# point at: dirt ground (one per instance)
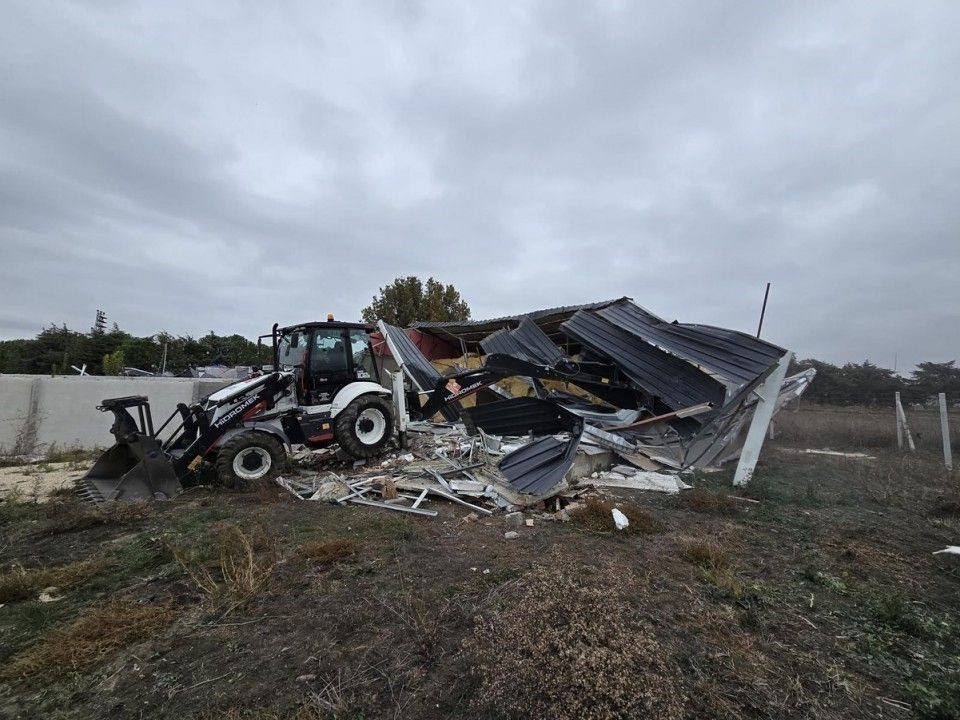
(38, 482)
(822, 598)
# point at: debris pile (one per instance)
(539, 407)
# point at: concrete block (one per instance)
(514, 519)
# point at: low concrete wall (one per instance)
(38, 412)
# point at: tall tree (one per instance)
(408, 299)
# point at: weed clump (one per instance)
(707, 501)
(89, 639)
(23, 583)
(329, 551)
(74, 516)
(705, 554)
(895, 611)
(596, 515)
(245, 564)
(595, 658)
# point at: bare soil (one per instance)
(822, 599)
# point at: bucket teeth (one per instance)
(88, 493)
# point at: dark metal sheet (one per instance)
(519, 416)
(538, 467)
(527, 341)
(415, 365)
(503, 342)
(675, 382)
(472, 331)
(537, 344)
(733, 355)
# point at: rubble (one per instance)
(612, 397)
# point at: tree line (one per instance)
(868, 384)
(55, 350)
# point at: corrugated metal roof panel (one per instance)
(473, 330)
(675, 382)
(538, 467)
(733, 355)
(518, 416)
(415, 365)
(526, 341)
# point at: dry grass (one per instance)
(71, 515)
(89, 639)
(948, 506)
(245, 564)
(303, 713)
(594, 656)
(707, 501)
(716, 569)
(705, 554)
(854, 427)
(596, 515)
(22, 583)
(329, 551)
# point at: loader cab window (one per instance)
(362, 357)
(292, 348)
(329, 355)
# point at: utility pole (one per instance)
(163, 364)
(763, 310)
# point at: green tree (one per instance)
(408, 299)
(113, 363)
(931, 378)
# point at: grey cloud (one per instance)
(190, 168)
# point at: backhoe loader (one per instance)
(324, 388)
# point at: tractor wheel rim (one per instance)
(370, 427)
(252, 463)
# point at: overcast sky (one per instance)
(197, 166)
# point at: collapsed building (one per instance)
(660, 395)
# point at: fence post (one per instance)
(906, 428)
(945, 431)
(896, 414)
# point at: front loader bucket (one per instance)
(135, 468)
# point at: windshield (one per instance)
(291, 349)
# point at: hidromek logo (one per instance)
(252, 400)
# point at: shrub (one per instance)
(570, 646)
(596, 515)
(89, 639)
(21, 584)
(707, 501)
(329, 551)
(246, 563)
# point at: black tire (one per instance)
(237, 461)
(349, 426)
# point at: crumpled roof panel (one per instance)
(539, 466)
(731, 354)
(676, 382)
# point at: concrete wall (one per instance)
(39, 412)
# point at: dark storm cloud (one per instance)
(193, 169)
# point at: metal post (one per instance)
(906, 428)
(763, 310)
(400, 407)
(896, 412)
(768, 393)
(945, 431)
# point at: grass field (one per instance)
(860, 428)
(811, 593)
